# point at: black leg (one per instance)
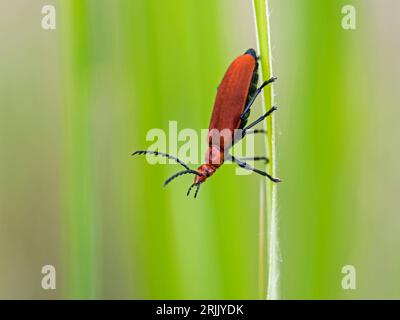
(258, 91)
(256, 131)
(244, 165)
(258, 120)
(265, 159)
(243, 133)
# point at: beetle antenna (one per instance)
(179, 174)
(166, 155)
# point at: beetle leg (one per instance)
(246, 166)
(241, 135)
(256, 131)
(258, 91)
(265, 159)
(259, 120)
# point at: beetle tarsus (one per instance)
(259, 119)
(256, 131)
(265, 159)
(246, 166)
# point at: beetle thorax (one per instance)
(214, 156)
(214, 159)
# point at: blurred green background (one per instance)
(76, 101)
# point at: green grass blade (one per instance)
(261, 14)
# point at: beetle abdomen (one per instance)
(233, 93)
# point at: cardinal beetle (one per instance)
(236, 94)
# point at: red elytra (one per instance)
(236, 94)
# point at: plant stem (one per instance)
(261, 14)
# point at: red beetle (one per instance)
(236, 94)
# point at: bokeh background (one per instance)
(76, 101)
